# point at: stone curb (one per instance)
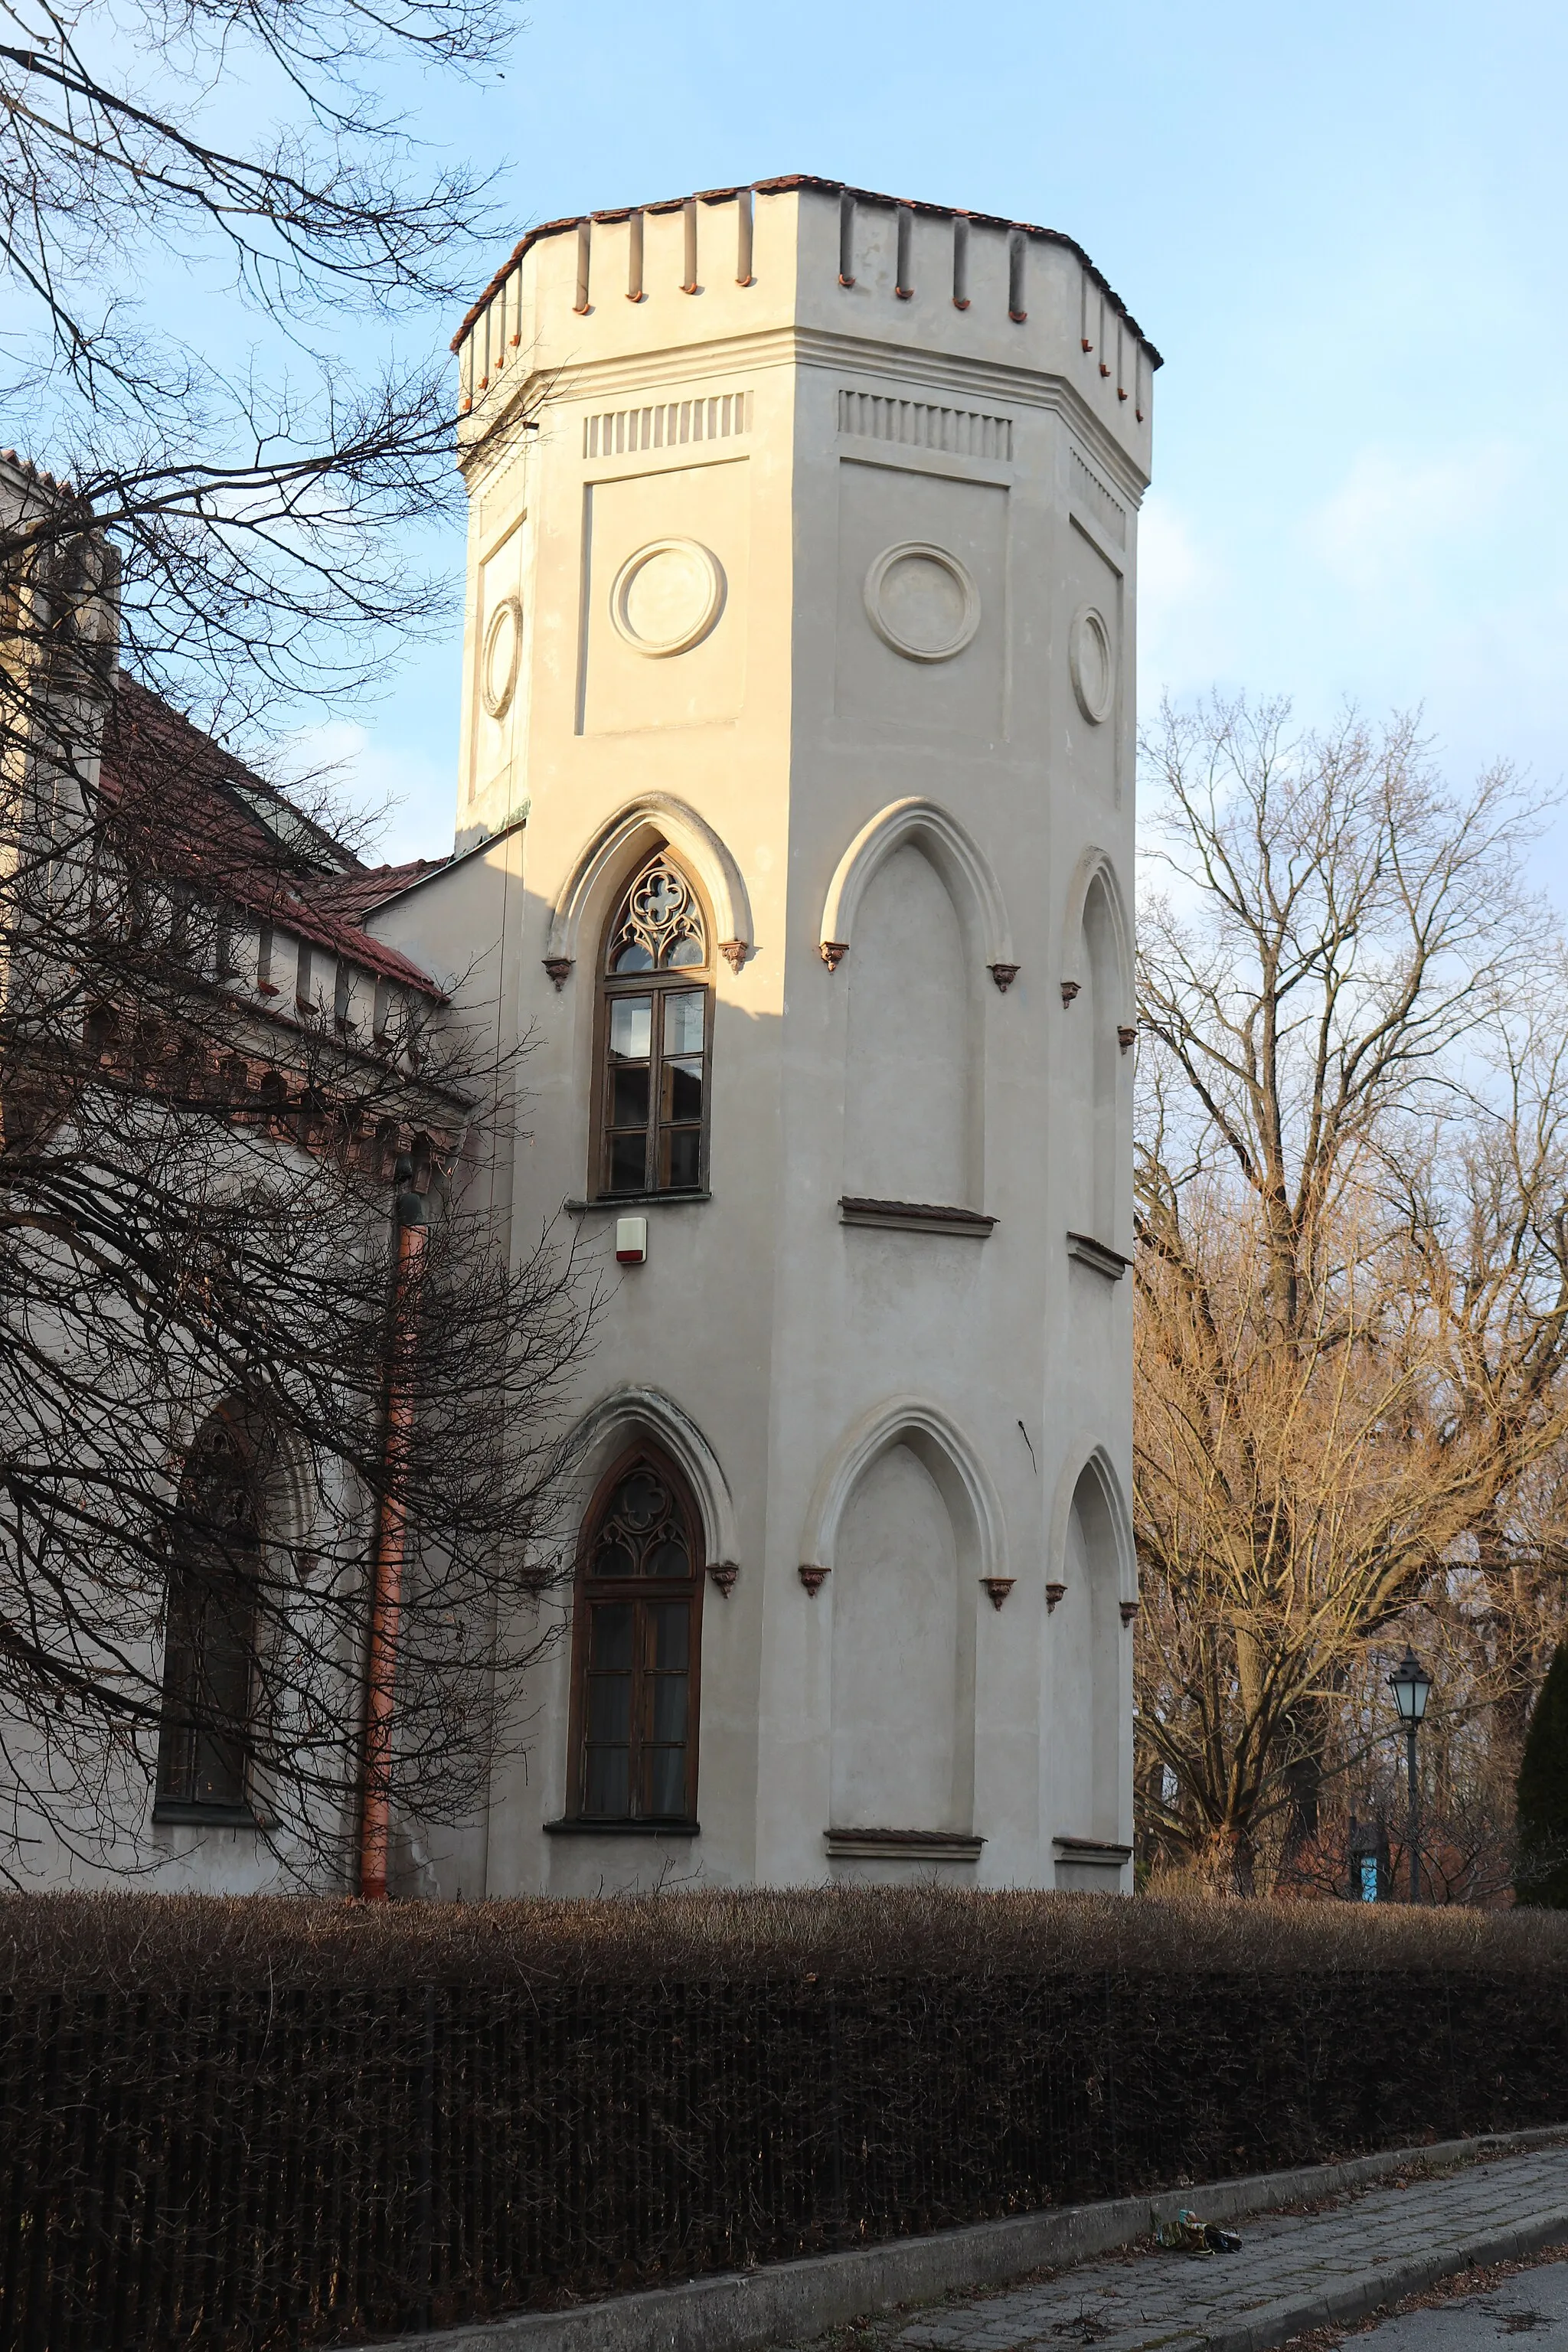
(797, 2300)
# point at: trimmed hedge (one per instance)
(270, 2124)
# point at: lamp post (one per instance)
(1411, 1684)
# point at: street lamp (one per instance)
(1411, 1684)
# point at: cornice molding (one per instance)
(812, 347)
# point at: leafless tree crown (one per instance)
(1353, 1267)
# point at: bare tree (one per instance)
(1350, 1199)
(253, 500)
(200, 1335)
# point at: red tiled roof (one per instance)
(36, 474)
(823, 187)
(354, 895)
(219, 823)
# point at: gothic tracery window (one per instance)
(655, 1019)
(635, 1647)
(209, 1650)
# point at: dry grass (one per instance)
(76, 1940)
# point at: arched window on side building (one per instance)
(635, 1647)
(655, 1023)
(209, 1650)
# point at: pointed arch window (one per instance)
(635, 1647)
(656, 1004)
(209, 1650)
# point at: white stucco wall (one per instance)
(910, 1409)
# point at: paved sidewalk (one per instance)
(1294, 2272)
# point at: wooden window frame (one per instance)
(587, 1590)
(686, 980)
(181, 1731)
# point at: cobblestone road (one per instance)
(1533, 2303)
(1149, 2301)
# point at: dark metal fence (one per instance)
(227, 2165)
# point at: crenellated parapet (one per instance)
(813, 257)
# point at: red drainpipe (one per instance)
(386, 1583)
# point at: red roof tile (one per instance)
(221, 826)
(354, 895)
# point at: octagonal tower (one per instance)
(794, 822)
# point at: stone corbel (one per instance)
(1054, 1592)
(998, 1588)
(560, 968)
(724, 1572)
(734, 952)
(1004, 974)
(814, 1578)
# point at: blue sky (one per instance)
(1342, 226)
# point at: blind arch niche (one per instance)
(904, 1655)
(903, 1490)
(910, 1080)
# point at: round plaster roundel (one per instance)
(922, 601)
(1092, 663)
(668, 596)
(498, 661)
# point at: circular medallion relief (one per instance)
(668, 596)
(922, 601)
(1092, 664)
(498, 661)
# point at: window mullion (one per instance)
(640, 1699)
(655, 1091)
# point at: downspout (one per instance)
(386, 1582)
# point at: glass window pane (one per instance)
(631, 1028)
(609, 1707)
(685, 953)
(612, 1558)
(665, 1770)
(671, 1637)
(670, 1692)
(668, 1558)
(628, 1163)
(219, 1775)
(608, 1778)
(610, 1644)
(628, 1096)
(683, 1021)
(683, 1090)
(219, 1688)
(682, 1158)
(631, 957)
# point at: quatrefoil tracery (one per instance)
(660, 927)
